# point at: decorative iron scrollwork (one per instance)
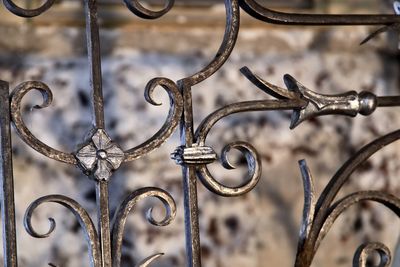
(138, 9)
(129, 205)
(23, 131)
(99, 157)
(253, 176)
(119, 221)
(171, 123)
(320, 214)
(82, 216)
(28, 13)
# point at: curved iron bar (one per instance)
(27, 13)
(322, 214)
(79, 212)
(337, 208)
(127, 206)
(16, 99)
(254, 171)
(259, 12)
(309, 206)
(225, 50)
(172, 121)
(246, 106)
(253, 160)
(139, 10)
(390, 201)
(343, 174)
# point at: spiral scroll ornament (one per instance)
(129, 205)
(171, 123)
(82, 216)
(16, 99)
(138, 9)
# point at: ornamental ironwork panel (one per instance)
(99, 156)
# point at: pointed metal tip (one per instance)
(363, 41)
(305, 171)
(146, 262)
(288, 76)
(291, 83)
(293, 125)
(302, 163)
(248, 74)
(307, 176)
(244, 69)
(295, 119)
(378, 32)
(366, 40)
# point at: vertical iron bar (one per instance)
(6, 181)
(104, 222)
(93, 47)
(191, 217)
(94, 57)
(190, 184)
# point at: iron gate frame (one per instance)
(99, 156)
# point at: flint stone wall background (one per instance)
(258, 229)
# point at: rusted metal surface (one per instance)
(7, 181)
(99, 156)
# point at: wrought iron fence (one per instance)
(99, 157)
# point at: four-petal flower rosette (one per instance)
(101, 156)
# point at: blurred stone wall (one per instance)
(259, 229)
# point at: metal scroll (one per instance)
(99, 156)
